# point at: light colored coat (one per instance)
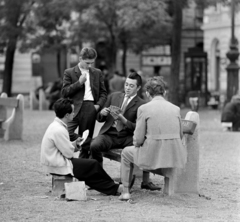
(57, 149)
(158, 136)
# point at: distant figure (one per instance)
(55, 93)
(194, 100)
(231, 113)
(106, 79)
(116, 84)
(141, 92)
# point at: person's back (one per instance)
(228, 112)
(231, 114)
(116, 84)
(158, 117)
(163, 145)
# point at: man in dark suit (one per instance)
(85, 86)
(117, 131)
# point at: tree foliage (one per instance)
(49, 26)
(207, 3)
(129, 25)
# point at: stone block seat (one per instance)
(58, 182)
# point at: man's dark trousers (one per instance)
(85, 119)
(112, 139)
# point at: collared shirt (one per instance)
(60, 121)
(125, 97)
(130, 99)
(88, 91)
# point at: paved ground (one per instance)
(24, 188)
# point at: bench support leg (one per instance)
(168, 186)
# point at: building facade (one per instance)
(217, 35)
(157, 61)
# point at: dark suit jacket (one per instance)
(130, 113)
(74, 90)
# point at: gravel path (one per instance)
(24, 188)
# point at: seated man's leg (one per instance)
(146, 183)
(127, 167)
(94, 176)
(99, 144)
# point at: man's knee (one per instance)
(127, 153)
(95, 146)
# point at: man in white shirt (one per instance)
(85, 86)
(57, 153)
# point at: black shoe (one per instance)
(150, 186)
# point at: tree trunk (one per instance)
(59, 63)
(112, 49)
(176, 52)
(124, 58)
(8, 67)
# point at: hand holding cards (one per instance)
(80, 141)
(115, 111)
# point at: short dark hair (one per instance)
(88, 53)
(155, 86)
(134, 75)
(63, 106)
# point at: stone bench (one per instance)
(178, 180)
(11, 127)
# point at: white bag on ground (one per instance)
(75, 191)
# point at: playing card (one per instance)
(115, 109)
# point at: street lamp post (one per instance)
(232, 55)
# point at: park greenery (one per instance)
(125, 25)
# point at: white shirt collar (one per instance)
(61, 122)
(131, 97)
(82, 70)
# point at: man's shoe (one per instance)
(125, 197)
(149, 186)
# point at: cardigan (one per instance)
(57, 149)
(157, 136)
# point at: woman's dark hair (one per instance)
(134, 75)
(155, 86)
(62, 106)
(88, 53)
